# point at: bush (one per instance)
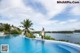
(30, 35)
(6, 32)
(49, 38)
(15, 32)
(64, 40)
(1, 29)
(78, 43)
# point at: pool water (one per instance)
(19, 44)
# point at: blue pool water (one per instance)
(20, 44)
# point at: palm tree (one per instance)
(26, 25)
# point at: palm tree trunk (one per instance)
(26, 32)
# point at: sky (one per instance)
(43, 13)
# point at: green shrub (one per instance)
(15, 32)
(30, 35)
(1, 29)
(49, 38)
(64, 40)
(6, 32)
(78, 43)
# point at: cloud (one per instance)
(39, 12)
(37, 6)
(76, 10)
(52, 7)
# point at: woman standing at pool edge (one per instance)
(43, 33)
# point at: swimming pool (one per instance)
(19, 44)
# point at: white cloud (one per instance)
(52, 7)
(63, 22)
(72, 20)
(76, 10)
(16, 11)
